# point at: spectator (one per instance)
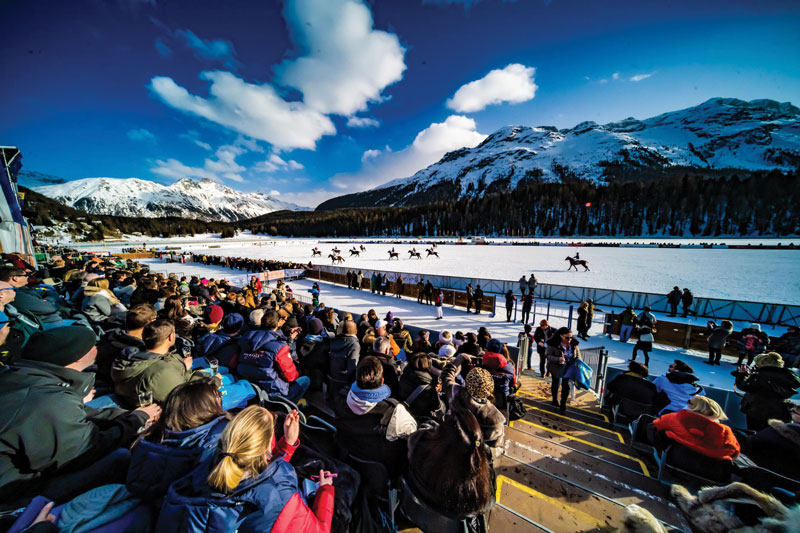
(51, 442)
(523, 285)
(190, 425)
(687, 298)
(99, 303)
(330, 321)
(422, 343)
(717, 339)
(788, 345)
(470, 296)
(540, 337)
(401, 336)
(510, 299)
(267, 360)
(418, 373)
(753, 341)
(674, 299)
(634, 385)
(455, 446)
(645, 344)
(478, 299)
(381, 349)
(438, 302)
(345, 353)
(562, 350)
(770, 447)
(248, 484)
(114, 341)
(627, 320)
(125, 290)
(156, 370)
(314, 353)
(699, 429)
(476, 395)
(767, 390)
(583, 320)
(420, 291)
(483, 337)
(358, 419)
(428, 292)
(679, 384)
(30, 300)
(527, 305)
(175, 311)
(647, 318)
(532, 283)
(496, 361)
(398, 287)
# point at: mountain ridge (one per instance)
(718, 134)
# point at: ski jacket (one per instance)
(700, 434)
(266, 361)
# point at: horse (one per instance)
(393, 255)
(431, 252)
(363, 248)
(315, 253)
(412, 254)
(336, 250)
(354, 252)
(336, 259)
(575, 262)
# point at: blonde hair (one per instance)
(100, 282)
(707, 407)
(242, 448)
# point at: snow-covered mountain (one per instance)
(187, 198)
(720, 134)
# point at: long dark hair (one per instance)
(458, 449)
(189, 405)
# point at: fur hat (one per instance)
(60, 346)
(445, 337)
(479, 383)
(447, 350)
(255, 316)
(769, 359)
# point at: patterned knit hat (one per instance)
(480, 383)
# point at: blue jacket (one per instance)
(221, 346)
(154, 466)
(257, 362)
(192, 506)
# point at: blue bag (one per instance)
(580, 373)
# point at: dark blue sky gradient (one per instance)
(75, 74)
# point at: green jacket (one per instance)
(628, 317)
(138, 371)
(45, 425)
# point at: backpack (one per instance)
(516, 408)
(750, 342)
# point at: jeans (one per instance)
(625, 333)
(714, 355)
(298, 388)
(509, 310)
(526, 314)
(542, 359)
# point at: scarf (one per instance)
(361, 401)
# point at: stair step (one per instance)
(572, 411)
(503, 519)
(621, 485)
(608, 451)
(567, 423)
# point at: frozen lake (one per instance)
(750, 275)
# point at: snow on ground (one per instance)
(746, 275)
(424, 316)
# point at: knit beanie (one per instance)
(447, 350)
(494, 346)
(232, 323)
(479, 383)
(60, 346)
(769, 359)
(214, 314)
(315, 326)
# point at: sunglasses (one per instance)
(8, 289)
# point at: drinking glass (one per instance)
(213, 364)
(145, 398)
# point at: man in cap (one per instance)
(51, 442)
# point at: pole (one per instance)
(569, 318)
(548, 310)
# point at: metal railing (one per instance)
(597, 358)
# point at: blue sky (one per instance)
(310, 99)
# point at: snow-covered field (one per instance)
(749, 275)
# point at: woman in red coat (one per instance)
(698, 429)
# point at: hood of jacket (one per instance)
(199, 437)
(343, 343)
(257, 339)
(119, 339)
(133, 362)
(361, 401)
(41, 373)
(700, 433)
(788, 430)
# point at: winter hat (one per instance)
(184, 290)
(92, 277)
(256, 315)
(480, 384)
(445, 337)
(214, 314)
(60, 346)
(389, 317)
(315, 326)
(232, 323)
(755, 326)
(773, 359)
(380, 324)
(204, 281)
(494, 346)
(447, 350)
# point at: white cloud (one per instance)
(513, 84)
(344, 63)
(274, 192)
(615, 76)
(256, 111)
(223, 167)
(215, 50)
(362, 122)
(141, 134)
(275, 163)
(430, 144)
(640, 77)
(193, 136)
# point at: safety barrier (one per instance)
(715, 308)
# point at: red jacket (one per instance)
(295, 515)
(286, 365)
(700, 434)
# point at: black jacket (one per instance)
(110, 347)
(428, 400)
(775, 448)
(767, 390)
(344, 356)
(636, 388)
